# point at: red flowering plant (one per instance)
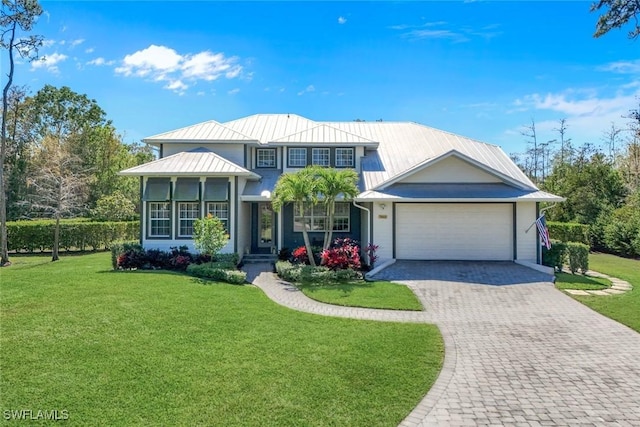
(344, 253)
(300, 256)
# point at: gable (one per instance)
(451, 170)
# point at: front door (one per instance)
(265, 225)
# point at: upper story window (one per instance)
(321, 157)
(266, 158)
(297, 157)
(344, 157)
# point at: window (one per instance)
(187, 214)
(315, 218)
(159, 219)
(344, 157)
(266, 158)
(297, 157)
(321, 157)
(221, 211)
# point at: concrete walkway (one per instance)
(517, 351)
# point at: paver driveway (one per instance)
(521, 352)
(518, 351)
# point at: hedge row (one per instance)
(300, 273)
(574, 253)
(80, 234)
(569, 232)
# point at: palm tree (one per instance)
(333, 183)
(300, 188)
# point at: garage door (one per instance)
(454, 231)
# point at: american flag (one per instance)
(543, 231)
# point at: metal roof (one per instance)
(196, 162)
(268, 127)
(325, 135)
(495, 192)
(261, 189)
(210, 131)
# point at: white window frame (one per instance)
(154, 218)
(265, 158)
(340, 156)
(220, 210)
(321, 157)
(188, 212)
(315, 218)
(297, 161)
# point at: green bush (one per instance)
(114, 207)
(578, 255)
(555, 256)
(288, 271)
(233, 258)
(307, 274)
(569, 232)
(206, 271)
(119, 248)
(77, 234)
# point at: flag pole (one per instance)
(541, 213)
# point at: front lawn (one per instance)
(364, 294)
(160, 348)
(581, 282)
(624, 308)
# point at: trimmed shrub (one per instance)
(578, 255)
(569, 232)
(233, 258)
(76, 234)
(206, 271)
(296, 273)
(555, 256)
(118, 249)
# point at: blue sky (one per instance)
(479, 69)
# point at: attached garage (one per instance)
(454, 231)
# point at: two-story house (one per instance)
(425, 193)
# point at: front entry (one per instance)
(263, 235)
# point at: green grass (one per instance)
(364, 294)
(581, 282)
(158, 348)
(624, 308)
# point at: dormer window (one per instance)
(321, 157)
(266, 158)
(344, 157)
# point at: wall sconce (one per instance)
(382, 206)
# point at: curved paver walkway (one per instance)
(517, 351)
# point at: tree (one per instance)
(301, 189)
(58, 187)
(617, 14)
(209, 235)
(332, 184)
(532, 162)
(15, 17)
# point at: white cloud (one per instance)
(430, 30)
(48, 43)
(49, 62)
(76, 42)
(233, 91)
(622, 67)
(89, 50)
(100, 61)
(436, 34)
(161, 63)
(342, 20)
(307, 89)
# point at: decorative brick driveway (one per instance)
(518, 352)
(523, 353)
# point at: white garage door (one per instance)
(454, 231)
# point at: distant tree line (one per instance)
(600, 182)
